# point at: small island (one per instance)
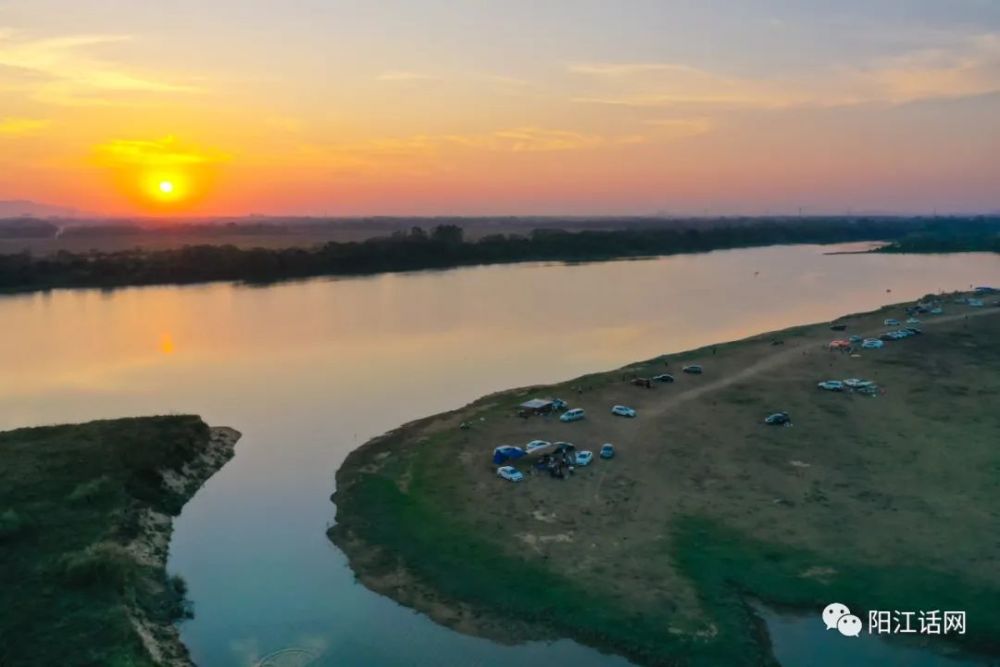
(879, 492)
(85, 522)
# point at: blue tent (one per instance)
(505, 453)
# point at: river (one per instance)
(310, 370)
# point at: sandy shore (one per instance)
(151, 546)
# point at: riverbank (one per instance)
(443, 247)
(866, 500)
(87, 516)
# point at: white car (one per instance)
(623, 411)
(572, 415)
(831, 385)
(890, 322)
(510, 473)
(857, 383)
(584, 457)
(872, 344)
(536, 445)
(913, 320)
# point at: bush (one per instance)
(11, 525)
(176, 603)
(87, 492)
(104, 563)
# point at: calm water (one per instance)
(308, 371)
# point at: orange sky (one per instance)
(502, 108)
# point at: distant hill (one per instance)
(23, 208)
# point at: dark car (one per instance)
(665, 377)
(694, 369)
(778, 419)
(838, 327)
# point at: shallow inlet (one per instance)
(310, 370)
(802, 639)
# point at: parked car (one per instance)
(607, 451)
(584, 457)
(838, 327)
(912, 320)
(975, 303)
(777, 419)
(856, 383)
(623, 411)
(891, 322)
(856, 339)
(664, 377)
(694, 369)
(536, 445)
(559, 404)
(573, 415)
(913, 331)
(937, 311)
(510, 473)
(831, 385)
(872, 344)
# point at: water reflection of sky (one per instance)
(310, 370)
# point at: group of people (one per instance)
(559, 464)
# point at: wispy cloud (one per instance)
(20, 126)
(65, 70)
(405, 75)
(533, 140)
(967, 67)
(628, 69)
(676, 128)
(165, 152)
(971, 67)
(425, 152)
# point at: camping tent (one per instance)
(505, 453)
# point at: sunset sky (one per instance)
(231, 107)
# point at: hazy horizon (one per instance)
(585, 108)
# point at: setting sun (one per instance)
(171, 188)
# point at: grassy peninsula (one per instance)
(880, 502)
(85, 522)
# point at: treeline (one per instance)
(940, 238)
(445, 246)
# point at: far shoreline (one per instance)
(445, 247)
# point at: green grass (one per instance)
(462, 567)
(70, 496)
(726, 567)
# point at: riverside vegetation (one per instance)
(84, 530)
(445, 246)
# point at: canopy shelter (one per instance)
(538, 405)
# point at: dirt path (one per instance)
(780, 358)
